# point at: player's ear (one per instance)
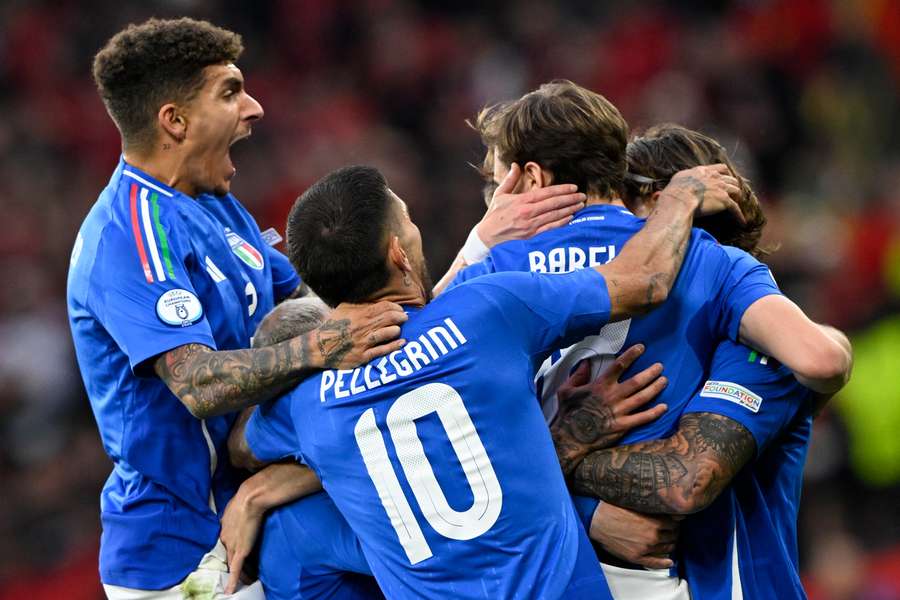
(534, 176)
(172, 122)
(397, 255)
(651, 202)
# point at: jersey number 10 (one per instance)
(450, 523)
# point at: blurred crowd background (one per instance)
(804, 93)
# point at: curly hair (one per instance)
(145, 66)
(663, 150)
(576, 134)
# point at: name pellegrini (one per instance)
(413, 357)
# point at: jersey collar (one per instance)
(599, 210)
(131, 172)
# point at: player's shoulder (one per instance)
(751, 365)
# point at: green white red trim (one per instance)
(149, 234)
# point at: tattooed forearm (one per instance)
(581, 426)
(678, 475)
(212, 383)
(641, 277)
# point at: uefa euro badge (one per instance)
(179, 307)
(244, 251)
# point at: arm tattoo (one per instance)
(212, 383)
(334, 341)
(583, 424)
(678, 475)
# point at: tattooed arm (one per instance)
(212, 383)
(641, 277)
(679, 475)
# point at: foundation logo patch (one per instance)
(725, 390)
(244, 251)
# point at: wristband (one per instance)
(474, 250)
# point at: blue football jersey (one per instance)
(308, 550)
(744, 545)
(715, 286)
(151, 270)
(437, 455)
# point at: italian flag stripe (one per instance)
(161, 234)
(138, 240)
(151, 239)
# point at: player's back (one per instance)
(712, 290)
(439, 457)
(746, 540)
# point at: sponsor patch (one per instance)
(725, 390)
(179, 307)
(244, 251)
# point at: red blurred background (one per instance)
(804, 93)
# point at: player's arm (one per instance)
(596, 414)
(273, 486)
(681, 474)
(512, 216)
(642, 275)
(212, 382)
(239, 451)
(820, 356)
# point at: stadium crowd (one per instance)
(803, 92)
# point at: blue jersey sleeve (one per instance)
(548, 311)
(270, 431)
(752, 389)
(284, 278)
(140, 290)
(471, 272)
(746, 281)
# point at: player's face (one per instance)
(411, 240)
(220, 114)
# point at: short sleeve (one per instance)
(284, 278)
(270, 431)
(141, 293)
(471, 272)
(547, 311)
(586, 506)
(752, 389)
(747, 281)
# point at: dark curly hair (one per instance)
(145, 66)
(663, 150)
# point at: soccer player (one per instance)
(564, 133)
(482, 509)
(169, 277)
(737, 455)
(307, 549)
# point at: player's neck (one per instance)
(163, 165)
(401, 289)
(592, 200)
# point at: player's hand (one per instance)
(514, 216)
(354, 334)
(715, 187)
(645, 540)
(595, 415)
(241, 523)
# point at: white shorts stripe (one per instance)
(151, 239)
(737, 590)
